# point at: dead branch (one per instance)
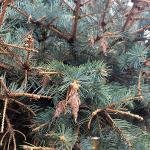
(29, 95)
(4, 86)
(20, 47)
(26, 147)
(93, 115)
(15, 95)
(123, 113)
(4, 114)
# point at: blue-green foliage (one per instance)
(77, 60)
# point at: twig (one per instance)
(11, 132)
(4, 66)
(20, 47)
(49, 26)
(26, 147)
(4, 114)
(102, 20)
(147, 27)
(68, 5)
(126, 114)
(139, 84)
(124, 101)
(50, 73)
(141, 18)
(93, 115)
(76, 18)
(23, 105)
(29, 95)
(39, 127)
(128, 18)
(4, 8)
(87, 15)
(4, 86)
(86, 2)
(114, 126)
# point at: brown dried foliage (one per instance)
(72, 100)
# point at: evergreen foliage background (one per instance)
(75, 75)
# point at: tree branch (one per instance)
(4, 8)
(49, 26)
(76, 18)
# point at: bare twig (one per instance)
(20, 47)
(139, 84)
(76, 18)
(4, 114)
(123, 113)
(29, 95)
(128, 18)
(4, 86)
(93, 115)
(11, 132)
(26, 147)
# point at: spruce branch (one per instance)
(147, 27)
(4, 66)
(48, 26)
(76, 18)
(113, 111)
(114, 126)
(65, 2)
(87, 15)
(13, 96)
(122, 101)
(102, 22)
(10, 132)
(29, 95)
(4, 8)
(23, 105)
(86, 2)
(125, 114)
(147, 61)
(131, 13)
(141, 18)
